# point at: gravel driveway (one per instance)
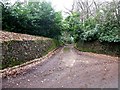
(69, 68)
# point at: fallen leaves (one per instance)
(7, 36)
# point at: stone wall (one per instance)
(99, 47)
(19, 48)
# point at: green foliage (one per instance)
(110, 29)
(71, 26)
(73, 21)
(89, 35)
(37, 18)
(103, 27)
(66, 38)
(90, 30)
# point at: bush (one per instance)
(35, 18)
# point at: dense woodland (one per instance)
(86, 21)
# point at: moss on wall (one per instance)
(17, 52)
(98, 47)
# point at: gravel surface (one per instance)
(69, 68)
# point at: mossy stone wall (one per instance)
(99, 47)
(18, 52)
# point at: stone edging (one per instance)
(13, 71)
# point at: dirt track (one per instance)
(69, 68)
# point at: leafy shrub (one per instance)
(89, 35)
(36, 18)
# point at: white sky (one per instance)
(61, 5)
